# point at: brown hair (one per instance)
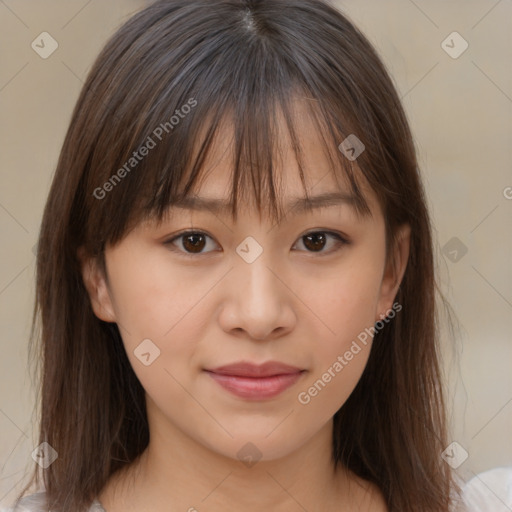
(242, 60)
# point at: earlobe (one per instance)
(395, 270)
(96, 286)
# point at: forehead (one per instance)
(318, 159)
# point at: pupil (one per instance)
(195, 247)
(316, 237)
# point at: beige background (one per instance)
(460, 112)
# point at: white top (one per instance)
(486, 492)
(490, 491)
(36, 502)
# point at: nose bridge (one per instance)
(254, 272)
(256, 300)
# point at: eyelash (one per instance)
(342, 241)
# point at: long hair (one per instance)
(165, 82)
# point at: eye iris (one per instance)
(195, 247)
(315, 237)
(195, 242)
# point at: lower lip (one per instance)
(256, 388)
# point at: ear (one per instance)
(394, 271)
(96, 285)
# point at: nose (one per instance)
(257, 301)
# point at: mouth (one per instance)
(256, 382)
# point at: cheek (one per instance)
(346, 297)
(346, 304)
(152, 295)
(339, 360)
(155, 301)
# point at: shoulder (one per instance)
(36, 502)
(490, 490)
(30, 503)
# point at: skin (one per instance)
(291, 304)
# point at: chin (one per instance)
(252, 445)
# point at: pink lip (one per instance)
(256, 382)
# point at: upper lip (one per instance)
(245, 369)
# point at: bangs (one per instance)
(257, 126)
(155, 138)
(256, 129)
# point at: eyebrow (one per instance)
(296, 205)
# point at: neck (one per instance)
(176, 471)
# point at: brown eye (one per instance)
(315, 241)
(192, 242)
(195, 242)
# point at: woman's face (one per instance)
(250, 292)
